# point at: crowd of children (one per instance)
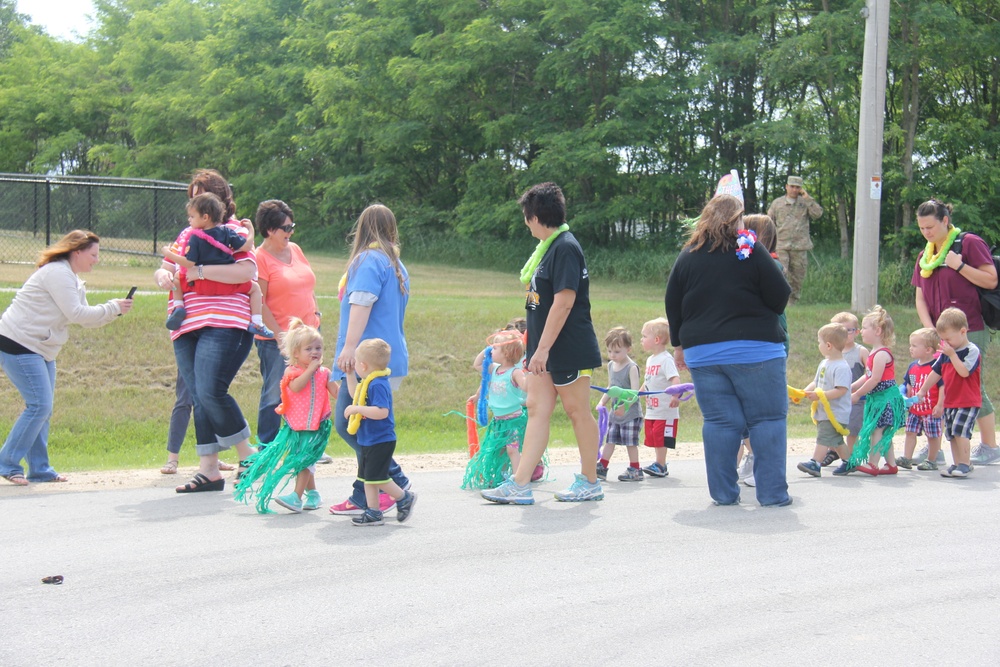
(856, 404)
(940, 394)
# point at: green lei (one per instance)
(929, 261)
(536, 257)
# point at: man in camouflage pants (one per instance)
(792, 214)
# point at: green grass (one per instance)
(115, 384)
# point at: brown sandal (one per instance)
(169, 468)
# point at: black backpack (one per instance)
(989, 299)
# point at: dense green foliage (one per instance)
(447, 109)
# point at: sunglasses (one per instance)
(288, 229)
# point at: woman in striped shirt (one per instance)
(211, 346)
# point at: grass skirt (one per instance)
(877, 403)
(486, 470)
(279, 461)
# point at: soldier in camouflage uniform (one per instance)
(792, 214)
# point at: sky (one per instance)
(60, 18)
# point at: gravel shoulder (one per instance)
(97, 480)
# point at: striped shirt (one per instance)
(230, 311)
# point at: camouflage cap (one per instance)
(795, 180)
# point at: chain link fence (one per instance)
(133, 217)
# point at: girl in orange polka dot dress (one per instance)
(306, 390)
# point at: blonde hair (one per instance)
(929, 337)
(376, 230)
(835, 334)
(77, 239)
(375, 352)
(511, 344)
(879, 317)
(618, 337)
(952, 319)
(660, 328)
(299, 335)
(847, 318)
(717, 225)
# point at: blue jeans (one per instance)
(340, 423)
(28, 439)
(209, 359)
(272, 367)
(735, 398)
(180, 416)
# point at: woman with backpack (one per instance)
(948, 274)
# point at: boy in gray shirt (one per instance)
(830, 392)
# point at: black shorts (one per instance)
(564, 378)
(373, 468)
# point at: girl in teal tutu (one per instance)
(499, 452)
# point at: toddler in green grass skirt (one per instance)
(503, 386)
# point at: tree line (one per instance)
(447, 109)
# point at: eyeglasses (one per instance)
(288, 229)
(852, 331)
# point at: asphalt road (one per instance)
(858, 571)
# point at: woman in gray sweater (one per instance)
(32, 331)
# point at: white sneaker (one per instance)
(581, 490)
(746, 467)
(750, 481)
(509, 493)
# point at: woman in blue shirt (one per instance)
(373, 297)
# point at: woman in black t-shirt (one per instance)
(562, 348)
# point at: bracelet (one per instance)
(960, 267)
(201, 275)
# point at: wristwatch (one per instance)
(201, 274)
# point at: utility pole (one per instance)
(868, 195)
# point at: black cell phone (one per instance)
(131, 292)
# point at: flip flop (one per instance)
(202, 483)
(226, 467)
(57, 478)
(17, 479)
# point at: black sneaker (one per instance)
(369, 518)
(602, 472)
(176, 318)
(405, 505)
(830, 457)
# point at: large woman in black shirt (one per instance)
(723, 302)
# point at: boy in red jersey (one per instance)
(960, 368)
